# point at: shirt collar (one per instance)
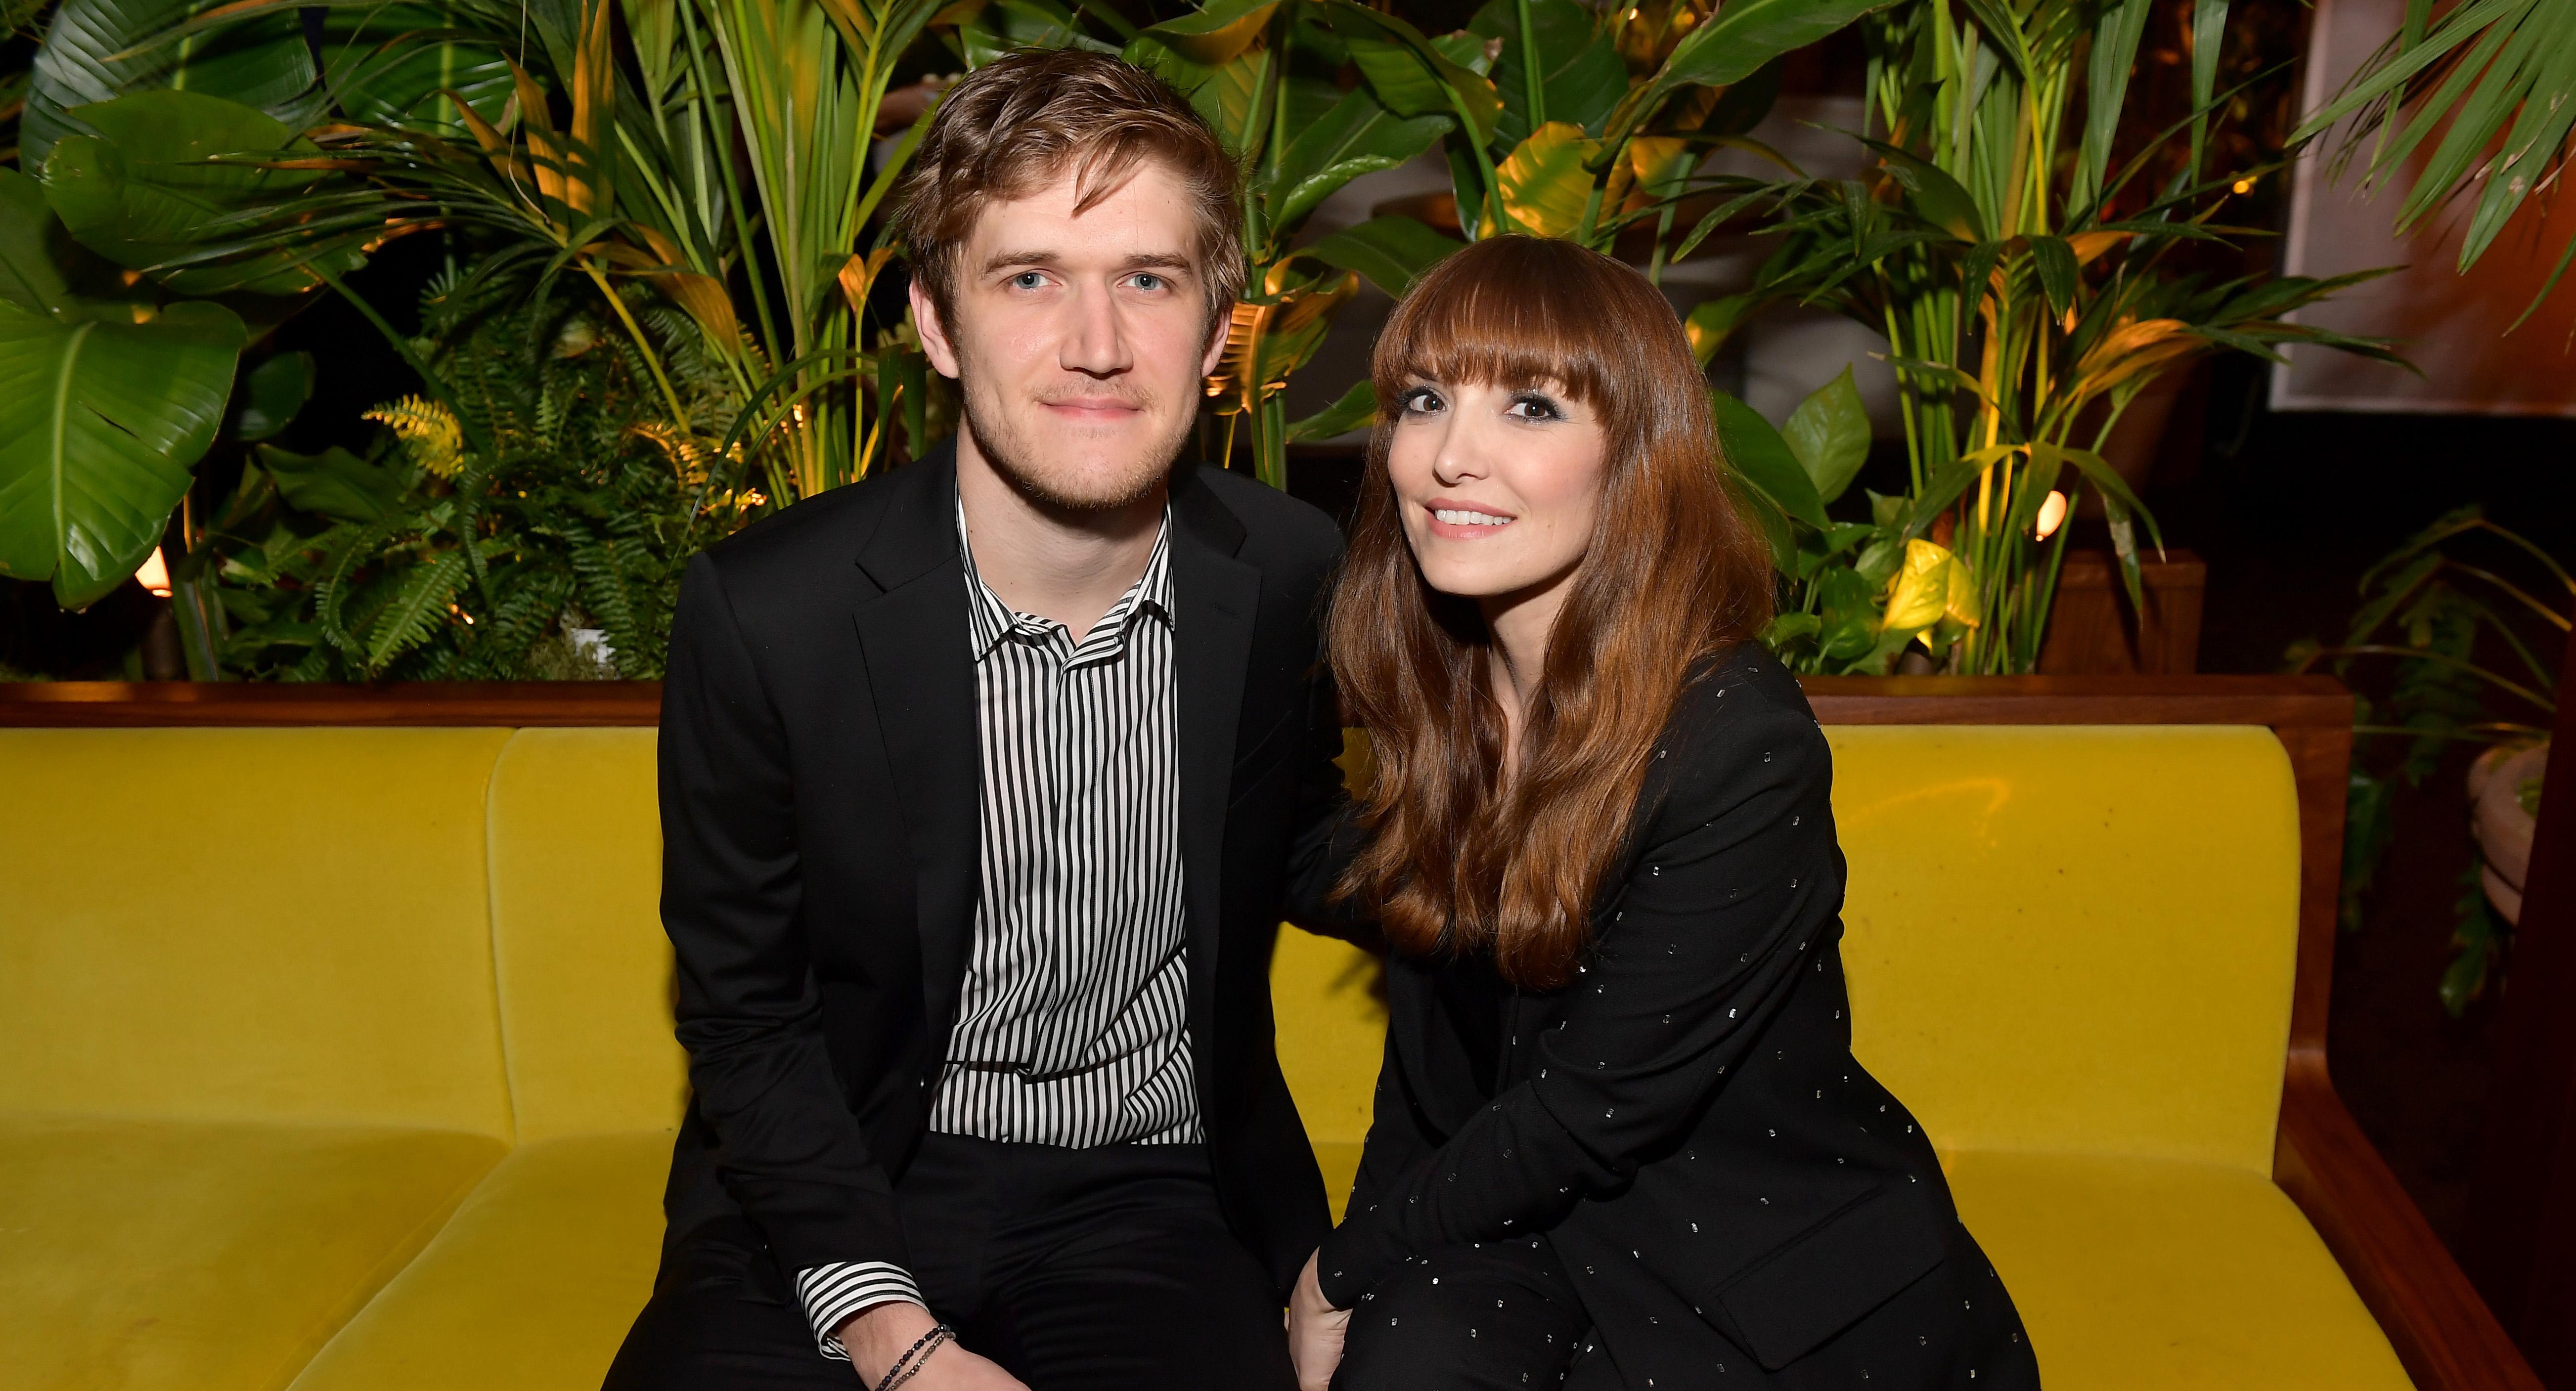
(990, 620)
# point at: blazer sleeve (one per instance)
(749, 1010)
(1327, 831)
(1735, 880)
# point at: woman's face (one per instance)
(1497, 485)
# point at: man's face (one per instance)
(1079, 342)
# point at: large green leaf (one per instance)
(1391, 251)
(1357, 407)
(1545, 184)
(31, 270)
(167, 179)
(1224, 93)
(1581, 77)
(1357, 135)
(261, 61)
(43, 269)
(1829, 434)
(1743, 36)
(393, 66)
(1760, 457)
(1409, 74)
(99, 424)
(1215, 32)
(1933, 193)
(272, 394)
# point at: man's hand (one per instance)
(875, 1336)
(1314, 1331)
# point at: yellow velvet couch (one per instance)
(340, 1055)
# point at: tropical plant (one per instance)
(107, 398)
(2457, 640)
(2029, 288)
(1268, 77)
(536, 528)
(2496, 79)
(723, 160)
(1314, 93)
(1598, 139)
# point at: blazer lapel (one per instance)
(1217, 598)
(915, 636)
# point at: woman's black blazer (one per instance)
(1685, 1122)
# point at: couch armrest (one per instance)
(2433, 1317)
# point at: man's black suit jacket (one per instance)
(819, 785)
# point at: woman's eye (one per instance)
(1421, 400)
(1531, 406)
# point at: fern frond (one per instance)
(417, 609)
(688, 461)
(428, 431)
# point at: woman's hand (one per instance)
(1314, 1331)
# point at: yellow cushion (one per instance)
(204, 1256)
(250, 924)
(533, 1285)
(585, 968)
(2162, 1274)
(1329, 1000)
(2074, 938)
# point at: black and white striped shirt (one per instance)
(1072, 1021)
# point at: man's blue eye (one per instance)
(1028, 280)
(1149, 282)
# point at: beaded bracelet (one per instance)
(916, 1357)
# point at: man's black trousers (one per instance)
(1073, 1268)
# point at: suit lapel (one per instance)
(915, 635)
(1217, 597)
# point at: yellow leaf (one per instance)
(1961, 603)
(1544, 183)
(428, 431)
(496, 146)
(1215, 47)
(549, 158)
(1266, 340)
(1657, 165)
(2129, 350)
(1920, 593)
(859, 274)
(594, 102)
(2089, 245)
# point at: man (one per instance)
(980, 782)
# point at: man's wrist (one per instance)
(875, 1336)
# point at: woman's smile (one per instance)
(1454, 520)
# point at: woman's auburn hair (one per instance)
(1458, 858)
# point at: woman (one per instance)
(1620, 1140)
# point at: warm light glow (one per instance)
(2243, 185)
(155, 574)
(756, 497)
(2052, 515)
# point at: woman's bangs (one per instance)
(1478, 329)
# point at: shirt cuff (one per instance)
(831, 1293)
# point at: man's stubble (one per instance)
(1022, 462)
